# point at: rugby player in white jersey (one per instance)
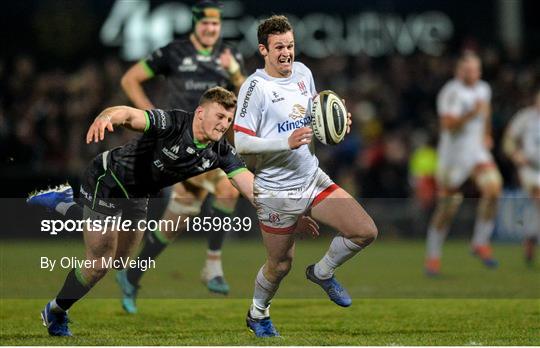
(522, 145)
(464, 109)
(271, 122)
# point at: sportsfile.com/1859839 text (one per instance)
(115, 223)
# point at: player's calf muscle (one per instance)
(93, 275)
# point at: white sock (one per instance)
(262, 296)
(257, 313)
(213, 264)
(434, 242)
(482, 232)
(55, 308)
(63, 207)
(341, 249)
(531, 221)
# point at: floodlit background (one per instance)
(61, 63)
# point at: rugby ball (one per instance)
(329, 118)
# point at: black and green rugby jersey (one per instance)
(168, 153)
(189, 72)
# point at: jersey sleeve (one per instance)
(229, 160)
(157, 63)
(250, 107)
(160, 122)
(448, 102)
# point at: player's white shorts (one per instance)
(529, 177)
(278, 211)
(453, 170)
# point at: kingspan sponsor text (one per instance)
(290, 125)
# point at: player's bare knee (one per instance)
(447, 207)
(491, 192)
(184, 203)
(490, 184)
(366, 234)
(171, 233)
(280, 268)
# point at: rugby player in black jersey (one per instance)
(190, 65)
(175, 146)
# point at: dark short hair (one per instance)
(219, 95)
(272, 26)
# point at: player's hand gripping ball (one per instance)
(329, 118)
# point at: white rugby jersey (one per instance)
(272, 108)
(525, 127)
(457, 99)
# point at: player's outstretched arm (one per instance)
(126, 116)
(251, 145)
(132, 85)
(243, 182)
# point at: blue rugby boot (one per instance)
(261, 327)
(55, 322)
(333, 289)
(50, 198)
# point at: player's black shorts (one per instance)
(102, 192)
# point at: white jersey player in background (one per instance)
(271, 122)
(522, 145)
(464, 109)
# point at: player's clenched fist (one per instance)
(299, 137)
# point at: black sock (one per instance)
(74, 288)
(154, 243)
(217, 236)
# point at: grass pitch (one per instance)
(393, 302)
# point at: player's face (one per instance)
(470, 71)
(279, 56)
(216, 120)
(207, 31)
